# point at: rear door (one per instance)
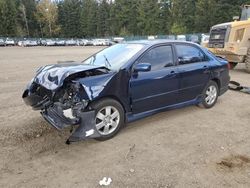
(194, 70)
(158, 87)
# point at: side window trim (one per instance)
(174, 57)
(206, 58)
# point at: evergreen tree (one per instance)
(71, 20)
(8, 13)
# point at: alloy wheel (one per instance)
(211, 95)
(107, 120)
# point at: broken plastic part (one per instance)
(86, 129)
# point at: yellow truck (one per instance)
(232, 40)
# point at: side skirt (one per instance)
(130, 117)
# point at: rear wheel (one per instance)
(247, 61)
(109, 118)
(232, 65)
(210, 95)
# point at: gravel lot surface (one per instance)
(188, 147)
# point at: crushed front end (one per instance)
(64, 106)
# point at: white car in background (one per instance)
(181, 38)
(2, 43)
(9, 42)
(71, 42)
(50, 42)
(98, 42)
(30, 43)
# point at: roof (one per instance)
(157, 41)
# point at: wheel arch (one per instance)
(217, 81)
(111, 97)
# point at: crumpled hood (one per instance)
(52, 76)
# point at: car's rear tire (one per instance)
(210, 95)
(109, 118)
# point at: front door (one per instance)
(158, 87)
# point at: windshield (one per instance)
(115, 56)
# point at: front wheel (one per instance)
(210, 95)
(109, 118)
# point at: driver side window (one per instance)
(159, 57)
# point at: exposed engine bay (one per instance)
(63, 100)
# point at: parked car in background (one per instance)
(171, 37)
(118, 39)
(9, 42)
(195, 39)
(2, 43)
(60, 42)
(70, 42)
(42, 42)
(108, 42)
(126, 82)
(50, 42)
(205, 40)
(85, 42)
(28, 43)
(20, 43)
(97, 42)
(181, 38)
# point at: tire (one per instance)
(247, 61)
(232, 65)
(106, 125)
(212, 90)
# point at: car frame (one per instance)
(133, 91)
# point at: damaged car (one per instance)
(124, 83)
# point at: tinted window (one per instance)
(189, 54)
(158, 57)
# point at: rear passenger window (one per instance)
(158, 57)
(189, 54)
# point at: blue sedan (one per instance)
(124, 83)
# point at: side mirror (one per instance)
(142, 67)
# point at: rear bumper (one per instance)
(223, 90)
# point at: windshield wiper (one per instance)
(106, 61)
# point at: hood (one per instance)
(53, 76)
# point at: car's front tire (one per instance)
(109, 118)
(210, 95)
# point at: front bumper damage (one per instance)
(84, 126)
(80, 119)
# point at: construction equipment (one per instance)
(232, 40)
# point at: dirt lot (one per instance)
(189, 147)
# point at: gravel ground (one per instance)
(188, 147)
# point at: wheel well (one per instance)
(217, 81)
(111, 97)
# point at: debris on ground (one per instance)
(129, 151)
(234, 161)
(105, 181)
(132, 170)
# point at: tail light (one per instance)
(228, 66)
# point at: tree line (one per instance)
(102, 18)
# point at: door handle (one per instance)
(172, 72)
